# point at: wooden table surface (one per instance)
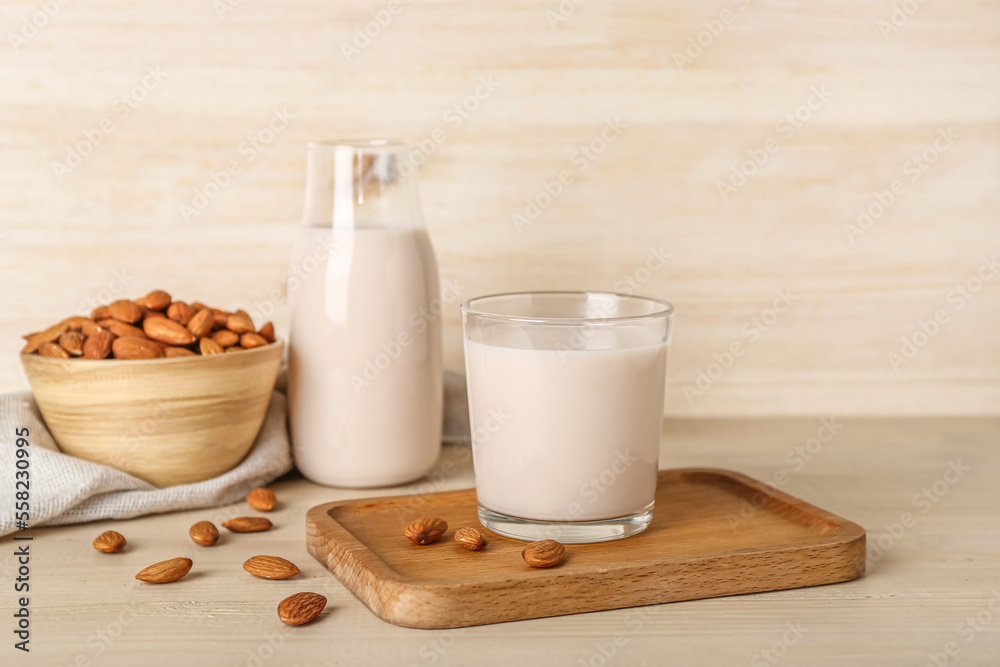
(933, 585)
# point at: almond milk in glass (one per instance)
(364, 371)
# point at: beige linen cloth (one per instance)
(65, 489)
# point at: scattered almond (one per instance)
(301, 608)
(270, 567)
(166, 571)
(427, 530)
(109, 542)
(204, 533)
(247, 524)
(470, 538)
(124, 310)
(262, 500)
(546, 553)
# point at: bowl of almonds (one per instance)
(169, 391)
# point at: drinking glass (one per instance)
(566, 408)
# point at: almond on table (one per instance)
(154, 326)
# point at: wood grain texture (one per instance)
(918, 588)
(116, 217)
(694, 548)
(166, 421)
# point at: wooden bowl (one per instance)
(167, 421)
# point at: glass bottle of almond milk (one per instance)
(364, 370)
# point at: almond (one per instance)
(72, 342)
(270, 567)
(204, 533)
(226, 338)
(247, 524)
(301, 608)
(262, 500)
(47, 336)
(98, 344)
(198, 305)
(155, 300)
(235, 348)
(427, 530)
(470, 538)
(267, 331)
(546, 553)
(53, 350)
(180, 312)
(219, 318)
(166, 571)
(100, 313)
(110, 542)
(239, 323)
(83, 324)
(167, 331)
(136, 348)
(209, 346)
(124, 310)
(121, 329)
(201, 323)
(251, 340)
(170, 351)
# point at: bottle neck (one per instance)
(361, 185)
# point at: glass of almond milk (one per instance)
(566, 408)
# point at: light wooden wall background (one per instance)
(62, 241)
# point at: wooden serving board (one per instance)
(714, 533)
